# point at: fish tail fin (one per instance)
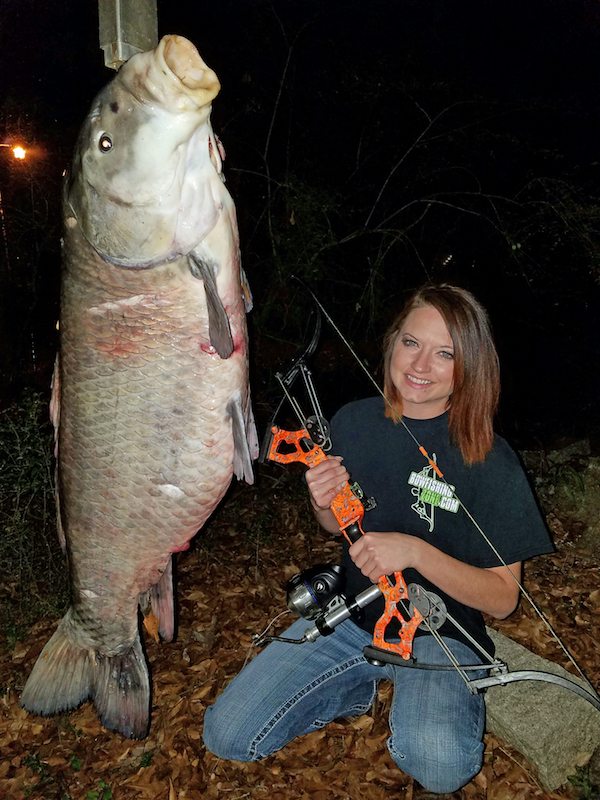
(62, 677)
(66, 675)
(122, 692)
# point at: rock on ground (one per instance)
(556, 730)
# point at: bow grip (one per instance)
(348, 512)
(353, 532)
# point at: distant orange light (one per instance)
(16, 149)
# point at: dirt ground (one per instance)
(230, 585)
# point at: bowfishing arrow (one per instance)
(348, 509)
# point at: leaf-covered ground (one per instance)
(231, 584)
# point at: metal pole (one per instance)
(126, 27)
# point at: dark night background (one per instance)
(480, 121)
(371, 146)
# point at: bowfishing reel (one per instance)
(315, 589)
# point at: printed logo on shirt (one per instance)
(431, 494)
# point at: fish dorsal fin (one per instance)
(219, 330)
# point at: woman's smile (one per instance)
(418, 381)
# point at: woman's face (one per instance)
(422, 364)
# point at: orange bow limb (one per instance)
(393, 594)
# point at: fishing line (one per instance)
(262, 635)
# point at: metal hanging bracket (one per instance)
(127, 27)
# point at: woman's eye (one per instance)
(446, 354)
(408, 342)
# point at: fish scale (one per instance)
(150, 401)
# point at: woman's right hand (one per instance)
(325, 480)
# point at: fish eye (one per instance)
(105, 143)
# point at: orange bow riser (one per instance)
(291, 446)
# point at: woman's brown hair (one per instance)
(476, 386)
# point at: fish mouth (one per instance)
(173, 76)
(187, 66)
(186, 63)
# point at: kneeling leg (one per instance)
(289, 690)
(437, 725)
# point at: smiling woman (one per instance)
(457, 343)
(441, 377)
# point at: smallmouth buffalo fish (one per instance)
(150, 398)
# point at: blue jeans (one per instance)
(436, 724)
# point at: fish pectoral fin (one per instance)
(219, 330)
(243, 434)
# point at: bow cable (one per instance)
(316, 424)
(435, 467)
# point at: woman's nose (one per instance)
(422, 361)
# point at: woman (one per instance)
(442, 381)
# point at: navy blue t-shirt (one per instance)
(388, 465)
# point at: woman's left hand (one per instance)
(383, 553)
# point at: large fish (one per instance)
(150, 399)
